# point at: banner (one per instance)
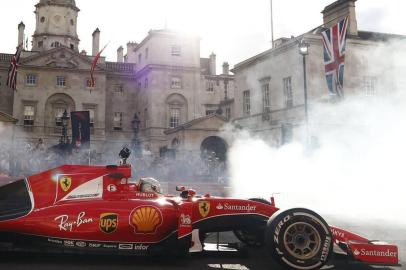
(80, 129)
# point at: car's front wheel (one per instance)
(299, 239)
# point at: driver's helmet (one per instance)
(149, 185)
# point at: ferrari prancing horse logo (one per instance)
(204, 208)
(65, 183)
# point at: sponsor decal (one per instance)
(69, 243)
(278, 228)
(145, 194)
(108, 222)
(220, 206)
(204, 208)
(109, 246)
(125, 246)
(95, 245)
(111, 188)
(141, 247)
(55, 241)
(185, 220)
(81, 244)
(83, 196)
(145, 219)
(68, 225)
(231, 207)
(65, 183)
(337, 233)
(375, 253)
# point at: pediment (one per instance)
(61, 57)
(215, 122)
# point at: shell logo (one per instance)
(145, 219)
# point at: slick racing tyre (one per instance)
(252, 235)
(299, 239)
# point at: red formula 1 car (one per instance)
(98, 209)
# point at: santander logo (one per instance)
(219, 206)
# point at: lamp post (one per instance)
(136, 126)
(64, 138)
(304, 50)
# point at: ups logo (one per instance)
(108, 222)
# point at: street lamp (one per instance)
(304, 50)
(136, 127)
(64, 118)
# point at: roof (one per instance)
(66, 3)
(4, 117)
(194, 122)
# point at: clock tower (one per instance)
(55, 25)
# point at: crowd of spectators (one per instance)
(31, 158)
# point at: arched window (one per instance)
(176, 110)
(55, 44)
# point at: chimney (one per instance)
(226, 68)
(21, 28)
(120, 54)
(212, 64)
(96, 41)
(338, 10)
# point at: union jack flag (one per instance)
(334, 40)
(12, 70)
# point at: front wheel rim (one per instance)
(302, 240)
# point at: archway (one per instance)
(55, 106)
(214, 148)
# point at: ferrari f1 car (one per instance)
(99, 209)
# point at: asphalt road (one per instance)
(248, 259)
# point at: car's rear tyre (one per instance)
(299, 239)
(253, 236)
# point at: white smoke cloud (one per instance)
(356, 172)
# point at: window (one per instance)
(42, 19)
(287, 133)
(29, 114)
(146, 53)
(176, 83)
(0, 80)
(72, 47)
(266, 103)
(139, 85)
(139, 58)
(370, 85)
(118, 121)
(89, 82)
(91, 116)
(55, 44)
(72, 22)
(58, 116)
(146, 83)
(174, 119)
(246, 102)
(40, 44)
(60, 81)
(287, 92)
(228, 113)
(175, 50)
(31, 79)
(118, 89)
(210, 86)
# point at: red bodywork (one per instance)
(96, 208)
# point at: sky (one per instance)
(233, 29)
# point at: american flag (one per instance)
(12, 71)
(93, 67)
(334, 40)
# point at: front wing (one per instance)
(364, 250)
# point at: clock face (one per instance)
(57, 20)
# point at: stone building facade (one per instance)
(162, 82)
(269, 95)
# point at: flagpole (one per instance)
(272, 38)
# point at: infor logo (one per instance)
(108, 222)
